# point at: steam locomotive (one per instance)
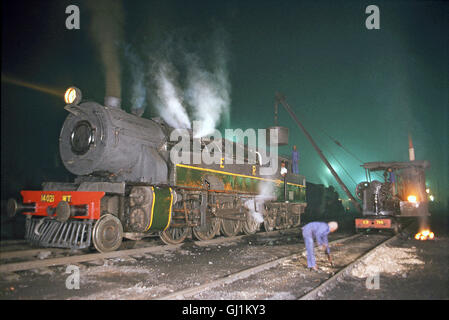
(400, 196)
(126, 186)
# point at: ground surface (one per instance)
(408, 269)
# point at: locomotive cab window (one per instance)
(82, 137)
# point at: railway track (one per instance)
(332, 281)
(251, 278)
(309, 295)
(189, 292)
(35, 263)
(5, 255)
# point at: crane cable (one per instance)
(339, 144)
(349, 152)
(344, 169)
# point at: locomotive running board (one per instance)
(73, 234)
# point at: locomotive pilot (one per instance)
(319, 231)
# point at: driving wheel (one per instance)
(174, 235)
(230, 227)
(211, 229)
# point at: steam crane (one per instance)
(387, 204)
(281, 99)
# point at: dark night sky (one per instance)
(366, 88)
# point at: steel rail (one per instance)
(26, 253)
(20, 266)
(185, 293)
(50, 262)
(332, 281)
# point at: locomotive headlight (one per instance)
(411, 199)
(72, 95)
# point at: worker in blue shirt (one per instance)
(319, 231)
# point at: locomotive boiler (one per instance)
(126, 186)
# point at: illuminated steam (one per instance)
(138, 90)
(169, 102)
(183, 88)
(106, 30)
(204, 95)
(256, 207)
(208, 94)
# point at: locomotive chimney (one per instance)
(112, 102)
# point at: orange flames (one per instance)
(425, 235)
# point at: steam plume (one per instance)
(169, 102)
(138, 91)
(205, 94)
(255, 206)
(208, 94)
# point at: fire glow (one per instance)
(425, 235)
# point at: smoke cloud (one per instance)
(106, 29)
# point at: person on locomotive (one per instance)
(283, 169)
(319, 231)
(392, 180)
(284, 177)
